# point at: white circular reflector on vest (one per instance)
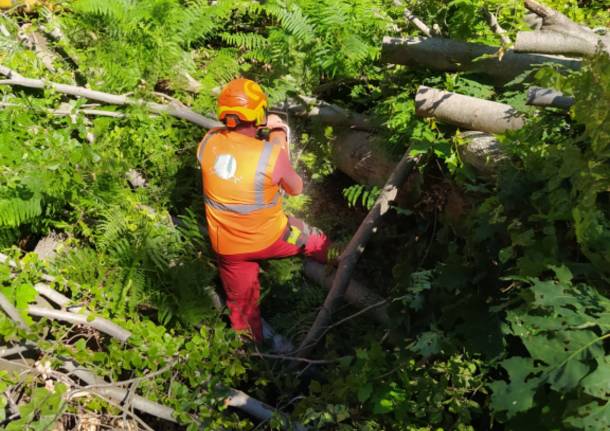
(225, 166)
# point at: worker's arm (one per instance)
(278, 132)
(285, 175)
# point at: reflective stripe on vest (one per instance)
(241, 208)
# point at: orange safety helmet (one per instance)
(242, 100)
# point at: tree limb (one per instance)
(546, 97)
(496, 27)
(175, 110)
(552, 42)
(467, 112)
(99, 323)
(351, 254)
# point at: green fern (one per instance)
(366, 195)
(244, 40)
(17, 211)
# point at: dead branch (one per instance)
(447, 55)
(99, 323)
(175, 110)
(351, 254)
(546, 97)
(467, 112)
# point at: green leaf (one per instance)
(597, 383)
(517, 395)
(382, 406)
(563, 274)
(364, 392)
(591, 417)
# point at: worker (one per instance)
(243, 179)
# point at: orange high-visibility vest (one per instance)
(243, 206)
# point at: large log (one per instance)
(446, 55)
(467, 112)
(360, 155)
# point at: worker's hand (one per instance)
(275, 122)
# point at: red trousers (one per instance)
(239, 272)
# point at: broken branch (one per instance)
(355, 248)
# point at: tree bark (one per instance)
(546, 97)
(448, 55)
(351, 254)
(360, 155)
(467, 112)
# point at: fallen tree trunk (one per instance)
(467, 112)
(448, 55)
(353, 251)
(546, 97)
(356, 293)
(360, 155)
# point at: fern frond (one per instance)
(293, 20)
(244, 40)
(16, 211)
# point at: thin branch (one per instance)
(496, 27)
(421, 26)
(296, 358)
(99, 323)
